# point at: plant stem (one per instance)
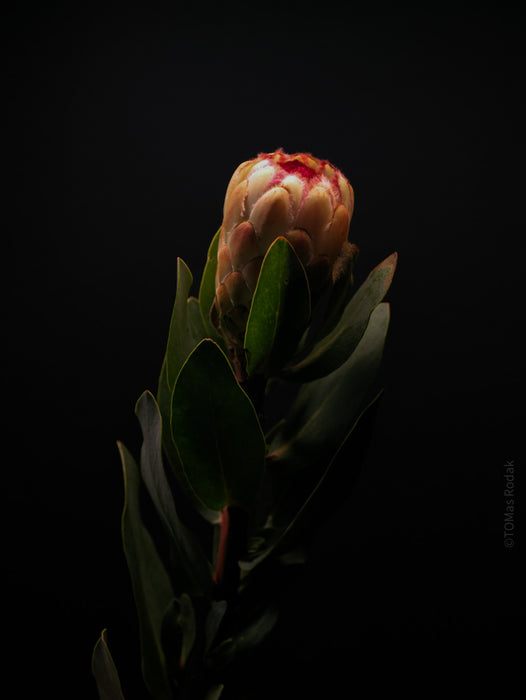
(232, 547)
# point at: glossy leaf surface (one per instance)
(216, 431)
(207, 288)
(213, 621)
(280, 310)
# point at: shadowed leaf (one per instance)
(337, 346)
(151, 584)
(103, 668)
(324, 409)
(187, 329)
(179, 629)
(213, 621)
(191, 569)
(207, 288)
(210, 412)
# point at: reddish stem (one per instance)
(232, 548)
(221, 554)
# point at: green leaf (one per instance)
(213, 621)
(151, 584)
(196, 326)
(324, 409)
(280, 310)
(249, 637)
(216, 431)
(335, 348)
(214, 693)
(103, 668)
(258, 630)
(186, 331)
(207, 288)
(192, 570)
(181, 341)
(186, 620)
(179, 628)
(287, 510)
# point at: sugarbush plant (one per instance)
(276, 308)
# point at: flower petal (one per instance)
(258, 181)
(243, 245)
(336, 234)
(315, 215)
(235, 211)
(270, 217)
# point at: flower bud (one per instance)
(304, 199)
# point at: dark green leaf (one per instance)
(103, 668)
(335, 348)
(288, 511)
(341, 290)
(207, 288)
(216, 431)
(324, 409)
(187, 624)
(151, 584)
(213, 621)
(214, 693)
(186, 331)
(180, 340)
(248, 638)
(280, 310)
(192, 571)
(179, 629)
(196, 326)
(258, 630)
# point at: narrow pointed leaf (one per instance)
(324, 409)
(258, 630)
(288, 512)
(151, 584)
(341, 291)
(180, 340)
(186, 331)
(179, 630)
(186, 621)
(164, 401)
(213, 621)
(207, 288)
(336, 347)
(104, 671)
(215, 692)
(247, 638)
(280, 310)
(191, 569)
(196, 325)
(216, 431)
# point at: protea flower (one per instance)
(304, 199)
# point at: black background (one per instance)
(124, 127)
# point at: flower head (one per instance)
(304, 199)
